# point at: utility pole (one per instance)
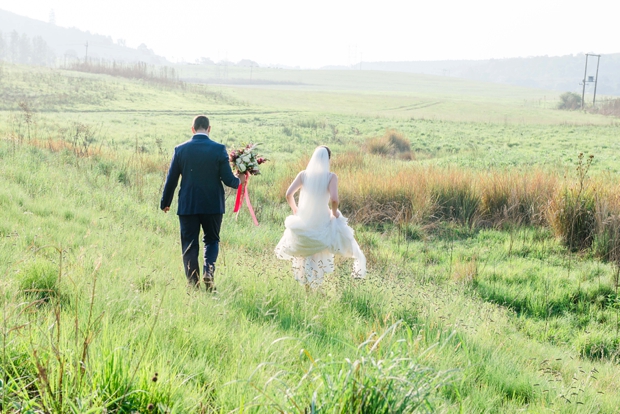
(596, 79)
(86, 55)
(585, 80)
(583, 92)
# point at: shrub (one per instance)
(391, 144)
(569, 101)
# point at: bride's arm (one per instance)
(292, 189)
(333, 195)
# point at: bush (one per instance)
(569, 101)
(391, 144)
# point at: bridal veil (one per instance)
(313, 236)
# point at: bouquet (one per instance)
(246, 160)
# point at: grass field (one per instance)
(454, 316)
(389, 94)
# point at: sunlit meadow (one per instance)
(492, 242)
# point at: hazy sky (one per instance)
(315, 33)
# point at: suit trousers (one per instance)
(190, 231)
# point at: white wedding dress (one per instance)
(313, 236)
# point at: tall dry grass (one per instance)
(516, 197)
(572, 216)
(609, 107)
(373, 191)
(582, 212)
(606, 243)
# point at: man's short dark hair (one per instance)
(201, 122)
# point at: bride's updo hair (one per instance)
(329, 152)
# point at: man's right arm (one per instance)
(174, 172)
(226, 174)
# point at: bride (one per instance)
(317, 230)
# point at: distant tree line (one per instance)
(241, 63)
(19, 48)
(138, 70)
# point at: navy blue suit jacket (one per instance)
(203, 165)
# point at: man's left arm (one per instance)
(174, 172)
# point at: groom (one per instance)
(204, 165)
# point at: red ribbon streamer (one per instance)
(239, 200)
(242, 192)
